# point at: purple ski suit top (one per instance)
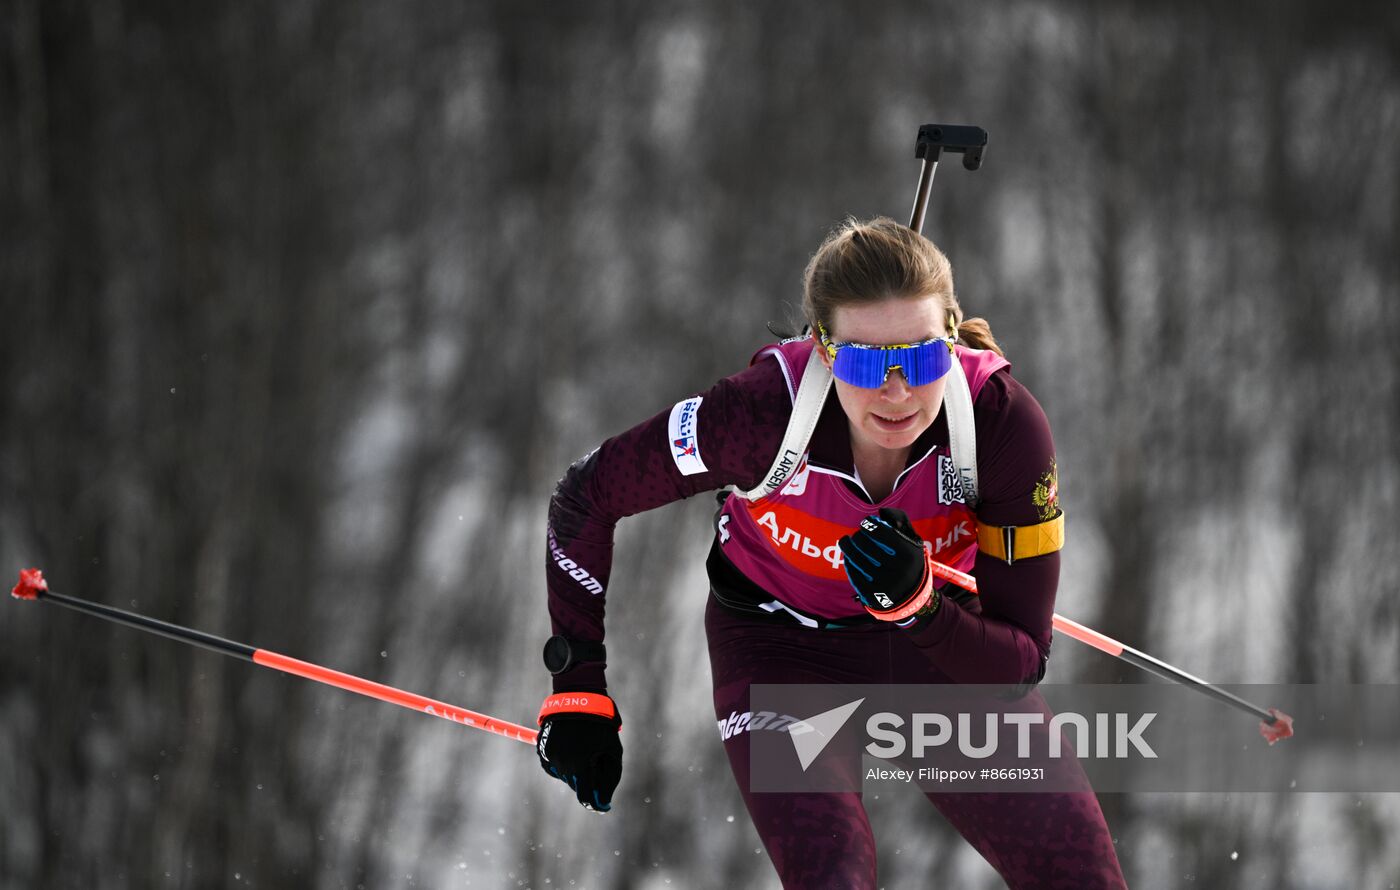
(778, 555)
(786, 542)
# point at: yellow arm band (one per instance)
(1011, 542)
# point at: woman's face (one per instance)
(894, 415)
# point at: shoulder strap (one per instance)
(806, 408)
(811, 395)
(962, 430)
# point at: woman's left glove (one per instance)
(580, 745)
(887, 564)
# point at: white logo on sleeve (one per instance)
(685, 441)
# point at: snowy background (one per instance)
(306, 305)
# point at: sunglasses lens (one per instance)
(868, 368)
(865, 368)
(927, 363)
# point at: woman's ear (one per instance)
(821, 350)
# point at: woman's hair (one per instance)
(866, 262)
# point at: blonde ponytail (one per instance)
(977, 333)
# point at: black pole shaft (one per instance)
(141, 622)
(1167, 672)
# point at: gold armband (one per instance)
(1012, 542)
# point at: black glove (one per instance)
(580, 745)
(887, 564)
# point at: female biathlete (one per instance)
(879, 473)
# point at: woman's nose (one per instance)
(896, 386)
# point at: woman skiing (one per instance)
(817, 485)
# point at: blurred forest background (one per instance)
(306, 305)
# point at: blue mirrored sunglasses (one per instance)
(867, 366)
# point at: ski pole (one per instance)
(32, 586)
(1275, 724)
(971, 142)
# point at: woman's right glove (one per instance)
(580, 744)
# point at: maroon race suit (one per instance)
(769, 634)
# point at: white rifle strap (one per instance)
(811, 395)
(806, 408)
(962, 431)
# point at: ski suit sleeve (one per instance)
(1003, 635)
(739, 423)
